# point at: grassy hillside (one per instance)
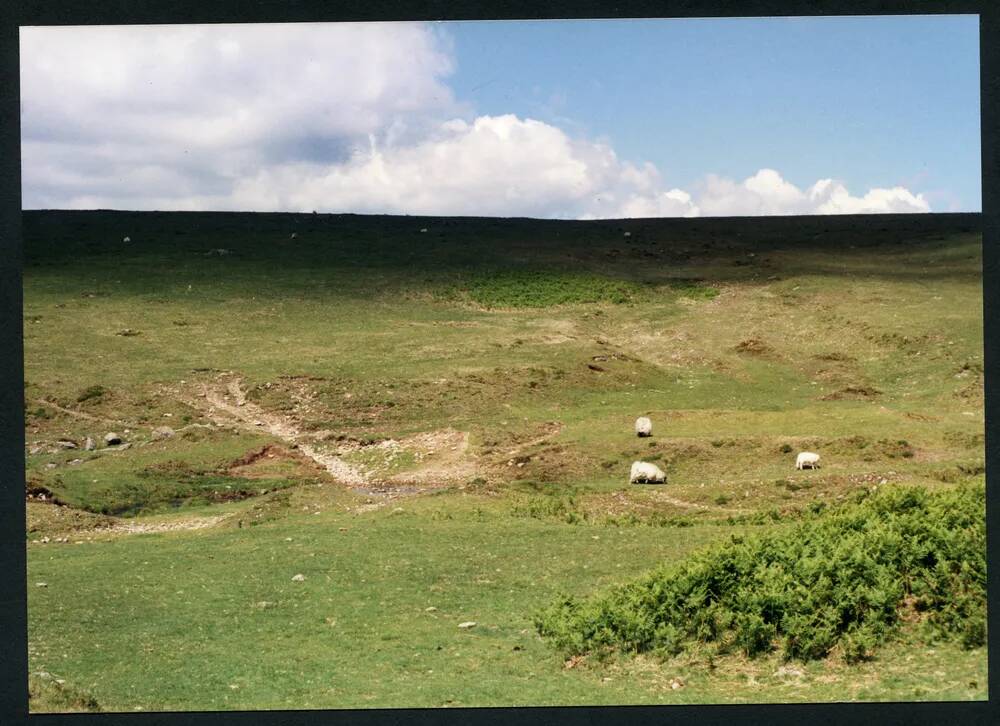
(435, 427)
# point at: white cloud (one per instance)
(335, 118)
(829, 197)
(766, 192)
(215, 103)
(496, 165)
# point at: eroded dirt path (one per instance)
(140, 527)
(229, 405)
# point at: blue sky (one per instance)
(567, 119)
(871, 101)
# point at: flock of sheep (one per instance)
(644, 472)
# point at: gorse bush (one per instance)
(843, 577)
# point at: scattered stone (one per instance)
(126, 239)
(88, 444)
(74, 462)
(112, 439)
(294, 235)
(125, 446)
(258, 423)
(162, 432)
(467, 625)
(67, 443)
(423, 230)
(128, 332)
(431, 609)
(299, 578)
(42, 584)
(50, 465)
(676, 683)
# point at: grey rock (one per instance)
(88, 444)
(163, 432)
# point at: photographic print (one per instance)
(503, 363)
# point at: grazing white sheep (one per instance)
(627, 234)
(126, 240)
(643, 426)
(645, 472)
(807, 459)
(423, 230)
(294, 235)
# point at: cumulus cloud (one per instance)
(766, 192)
(120, 113)
(495, 165)
(331, 117)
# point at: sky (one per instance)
(552, 119)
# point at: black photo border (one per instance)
(13, 587)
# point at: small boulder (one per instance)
(112, 439)
(67, 443)
(162, 432)
(467, 625)
(88, 444)
(299, 578)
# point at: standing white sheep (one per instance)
(645, 472)
(807, 459)
(643, 426)
(126, 240)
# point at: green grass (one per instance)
(540, 341)
(531, 288)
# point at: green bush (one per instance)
(839, 578)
